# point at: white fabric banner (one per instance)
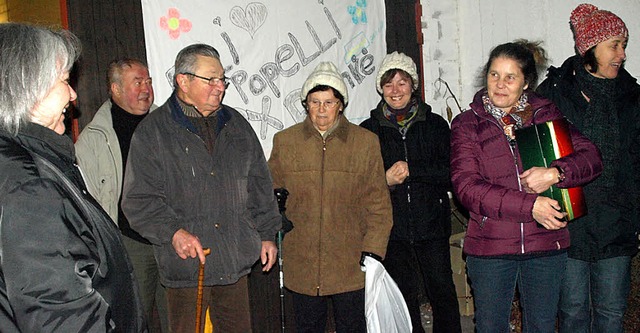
(269, 48)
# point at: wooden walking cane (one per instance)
(200, 291)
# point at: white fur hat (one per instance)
(401, 61)
(326, 73)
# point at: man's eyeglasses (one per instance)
(212, 81)
(328, 105)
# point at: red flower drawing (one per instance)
(174, 23)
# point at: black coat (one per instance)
(63, 267)
(425, 147)
(225, 197)
(610, 228)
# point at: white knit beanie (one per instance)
(326, 73)
(401, 61)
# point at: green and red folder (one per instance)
(541, 144)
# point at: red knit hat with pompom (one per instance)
(592, 26)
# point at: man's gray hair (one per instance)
(32, 58)
(186, 58)
(117, 67)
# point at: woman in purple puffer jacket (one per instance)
(515, 236)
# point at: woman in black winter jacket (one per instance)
(593, 90)
(63, 267)
(415, 150)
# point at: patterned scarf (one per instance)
(403, 117)
(519, 114)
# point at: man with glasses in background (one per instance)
(197, 178)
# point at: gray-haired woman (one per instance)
(63, 267)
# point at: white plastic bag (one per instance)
(384, 306)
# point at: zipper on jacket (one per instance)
(198, 136)
(324, 149)
(512, 147)
(186, 148)
(484, 219)
(493, 120)
(406, 159)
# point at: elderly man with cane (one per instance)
(197, 177)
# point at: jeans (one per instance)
(348, 312)
(493, 282)
(594, 295)
(427, 262)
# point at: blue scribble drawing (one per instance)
(357, 12)
(356, 45)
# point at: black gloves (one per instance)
(281, 196)
(369, 254)
(286, 224)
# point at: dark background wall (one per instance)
(108, 30)
(113, 29)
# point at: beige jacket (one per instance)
(338, 203)
(99, 158)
